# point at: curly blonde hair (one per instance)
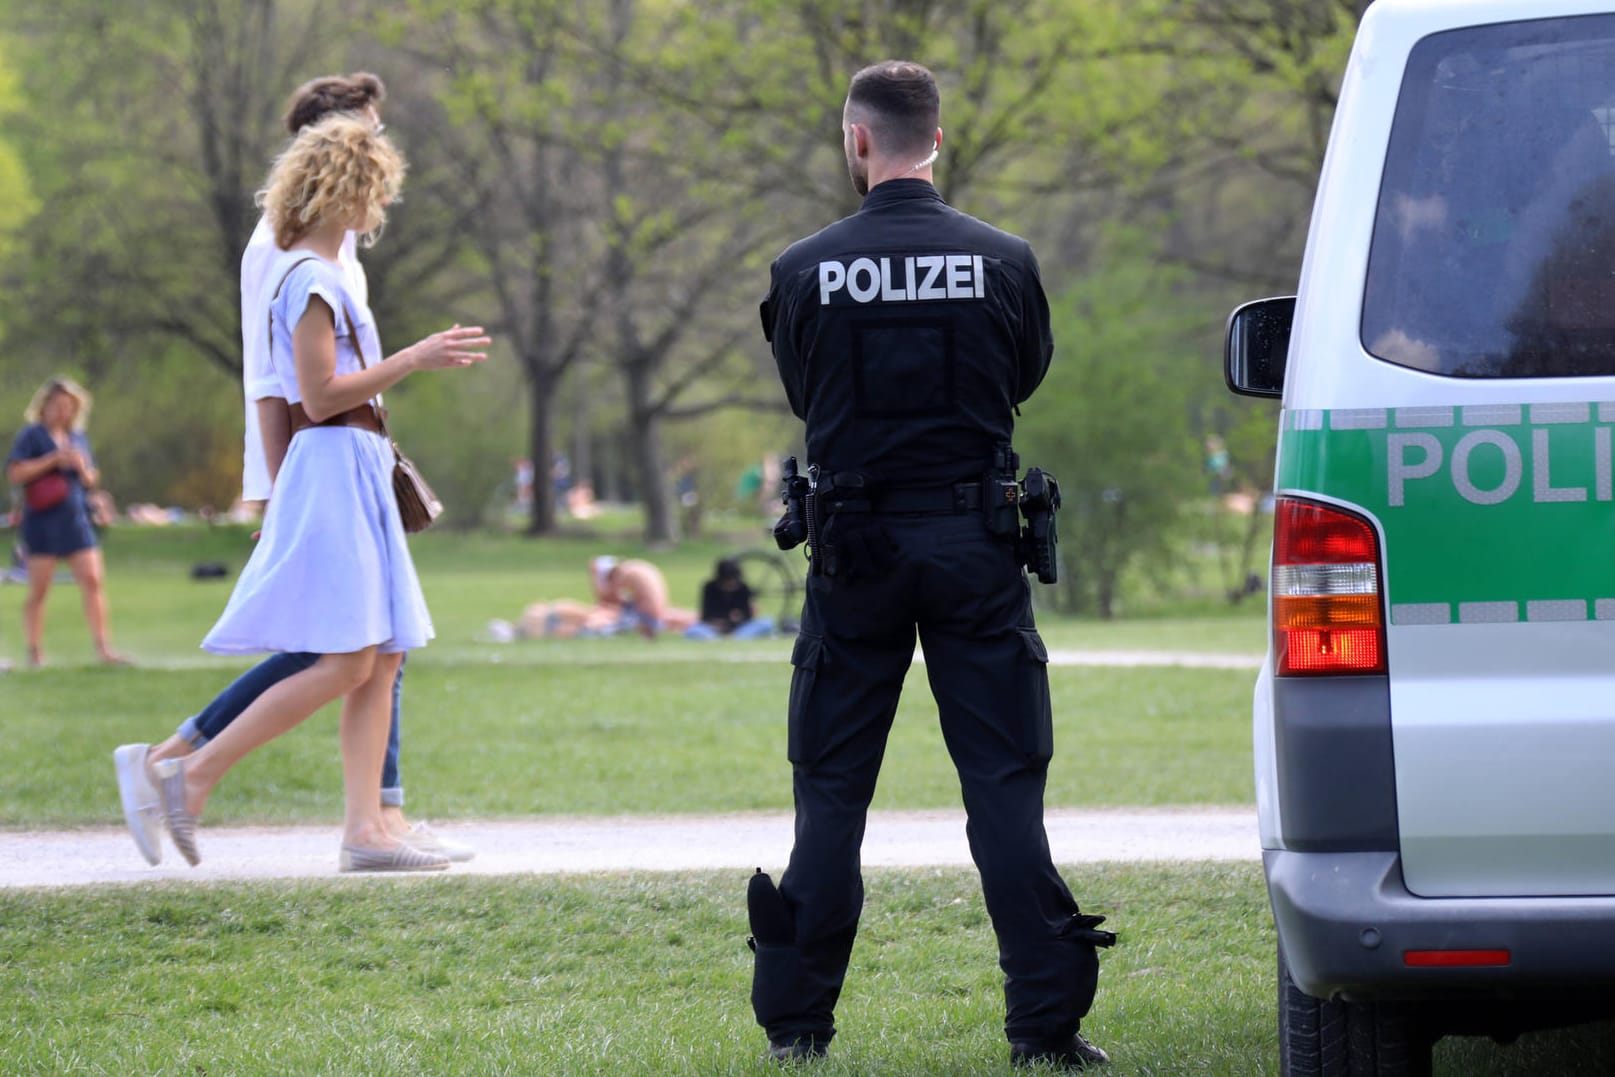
(341, 165)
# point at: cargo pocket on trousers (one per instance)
(801, 736)
(776, 984)
(1036, 712)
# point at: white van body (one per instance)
(1439, 824)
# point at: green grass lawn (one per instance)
(573, 727)
(644, 975)
(634, 975)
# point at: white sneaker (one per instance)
(427, 840)
(142, 807)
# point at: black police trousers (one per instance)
(962, 590)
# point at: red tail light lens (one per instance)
(1327, 613)
(1455, 959)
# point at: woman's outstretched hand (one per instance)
(456, 346)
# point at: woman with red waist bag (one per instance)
(51, 461)
(332, 574)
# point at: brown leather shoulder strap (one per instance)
(271, 319)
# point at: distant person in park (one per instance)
(907, 387)
(268, 420)
(728, 608)
(332, 575)
(51, 461)
(636, 591)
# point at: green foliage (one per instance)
(17, 201)
(463, 429)
(1108, 422)
(604, 186)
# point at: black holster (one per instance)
(1039, 540)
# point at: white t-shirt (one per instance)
(263, 266)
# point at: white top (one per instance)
(263, 264)
(310, 278)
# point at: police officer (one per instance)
(905, 336)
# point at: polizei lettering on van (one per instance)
(899, 278)
(1475, 502)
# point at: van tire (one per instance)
(1335, 1038)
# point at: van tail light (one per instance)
(1455, 959)
(1326, 592)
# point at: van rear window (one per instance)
(1494, 243)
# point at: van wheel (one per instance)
(1320, 1038)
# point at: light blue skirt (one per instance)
(332, 572)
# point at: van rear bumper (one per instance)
(1346, 919)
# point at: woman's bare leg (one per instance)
(41, 568)
(89, 569)
(281, 708)
(366, 718)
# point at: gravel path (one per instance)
(102, 856)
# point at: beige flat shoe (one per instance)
(428, 840)
(402, 857)
(181, 823)
(142, 804)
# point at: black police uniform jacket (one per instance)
(905, 335)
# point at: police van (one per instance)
(1435, 720)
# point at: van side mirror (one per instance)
(1257, 345)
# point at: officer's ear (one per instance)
(860, 139)
(938, 145)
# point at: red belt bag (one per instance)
(46, 492)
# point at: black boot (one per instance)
(798, 1049)
(1073, 1054)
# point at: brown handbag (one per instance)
(418, 506)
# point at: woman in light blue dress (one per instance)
(331, 574)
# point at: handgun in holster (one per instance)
(791, 529)
(801, 522)
(1039, 539)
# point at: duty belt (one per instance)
(959, 497)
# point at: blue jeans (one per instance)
(756, 628)
(228, 705)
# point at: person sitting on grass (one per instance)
(727, 608)
(636, 591)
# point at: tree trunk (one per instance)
(540, 448)
(649, 458)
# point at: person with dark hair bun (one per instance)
(318, 98)
(905, 336)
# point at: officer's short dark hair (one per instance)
(902, 102)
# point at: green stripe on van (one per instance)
(1491, 513)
